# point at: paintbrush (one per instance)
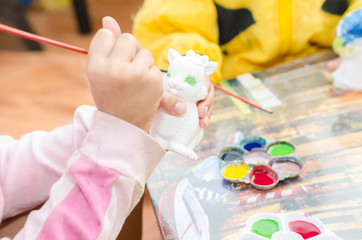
(241, 98)
(38, 38)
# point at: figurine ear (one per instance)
(204, 59)
(190, 53)
(210, 68)
(172, 55)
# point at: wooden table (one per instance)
(324, 123)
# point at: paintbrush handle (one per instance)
(236, 96)
(34, 37)
(241, 98)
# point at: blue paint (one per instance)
(251, 145)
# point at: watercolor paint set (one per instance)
(287, 226)
(259, 162)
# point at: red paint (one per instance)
(304, 229)
(263, 175)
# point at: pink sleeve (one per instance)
(30, 165)
(104, 180)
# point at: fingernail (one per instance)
(180, 108)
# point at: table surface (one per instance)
(324, 123)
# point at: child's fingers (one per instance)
(333, 64)
(157, 74)
(143, 58)
(111, 24)
(157, 82)
(210, 111)
(125, 48)
(172, 104)
(205, 105)
(205, 121)
(101, 45)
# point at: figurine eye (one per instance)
(168, 74)
(190, 80)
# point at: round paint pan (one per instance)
(304, 224)
(257, 156)
(249, 143)
(264, 225)
(287, 167)
(230, 154)
(281, 148)
(235, 171)
(286, 226)
(263, 177)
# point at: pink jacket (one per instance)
(91, 174)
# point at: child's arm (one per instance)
(106, 175)
(32, 164)
(104, 181)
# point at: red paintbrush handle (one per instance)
(236, 96)
(241, 98)
(34, 37)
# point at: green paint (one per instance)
(168, 74)
(265, 227)
(191, 80)
(281, 149)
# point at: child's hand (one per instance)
(123, 80)
(205, 106)
(173, 105)
(333, 64)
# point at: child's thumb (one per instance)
(172, 104)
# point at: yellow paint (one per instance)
(236, 171)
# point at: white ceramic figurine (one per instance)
(187, 78)
(348, 45)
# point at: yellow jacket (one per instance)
(241, 35)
